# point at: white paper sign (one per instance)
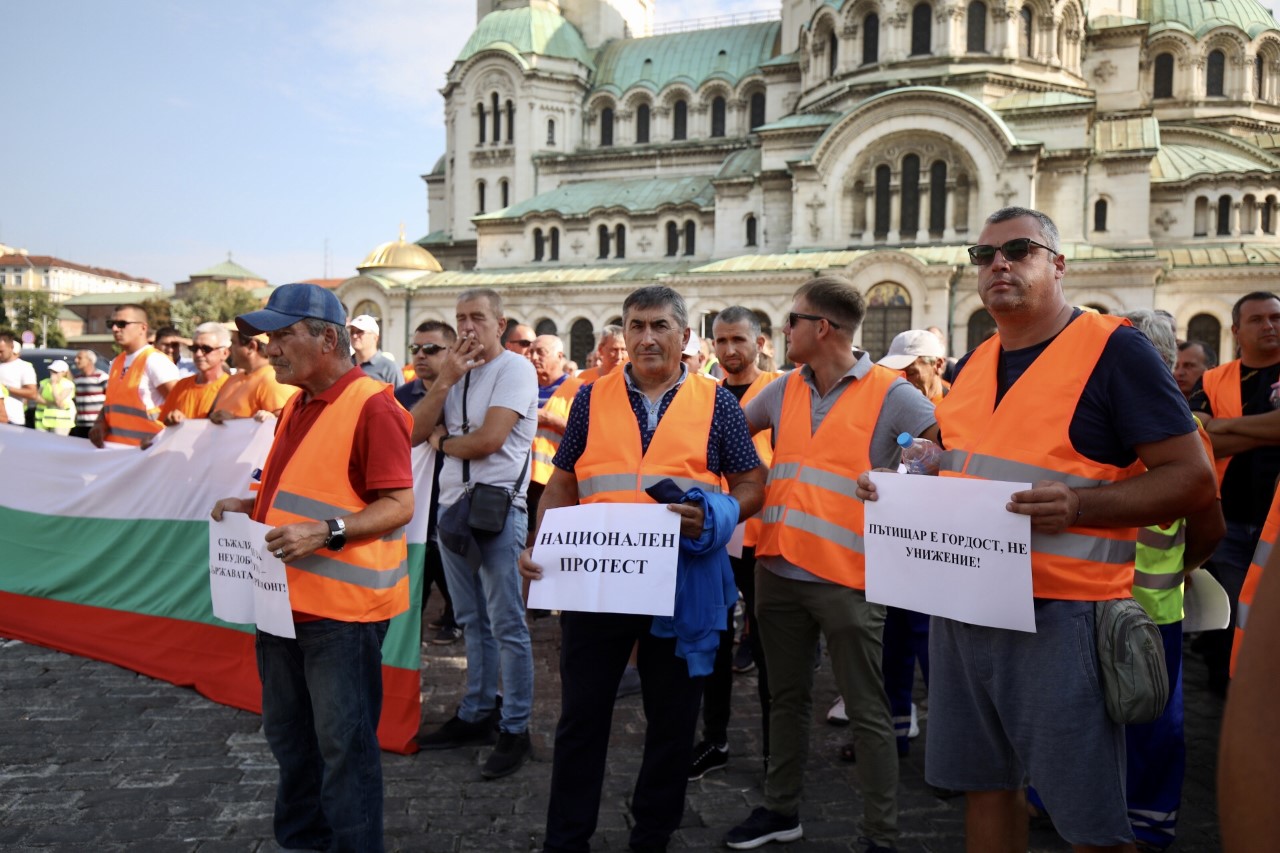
(948, 547)
(248, 583)
(607, 558)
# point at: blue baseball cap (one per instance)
(290, 303)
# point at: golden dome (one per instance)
(400, 255)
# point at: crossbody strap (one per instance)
(466, 428)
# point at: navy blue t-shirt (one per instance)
(1131, 397)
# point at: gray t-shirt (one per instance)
(905, 409)
(383, 369)
(507, 382)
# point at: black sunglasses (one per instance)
(202, 349)
(1013, 250)
(794, 316)
(429, 349)
(520, 342)
(120, 324)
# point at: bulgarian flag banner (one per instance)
(105, 554)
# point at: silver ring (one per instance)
(280, 554)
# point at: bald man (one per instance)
(556, 390)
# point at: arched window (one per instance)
(1215, 71)
(1162, 81)
(511, 121)
(606, 126)
(717, 116)
(909, 219)
(673, 239)
(871, 39)
(937, 198)
(497, 119)
(539, 244)
(833, 53)
(1224, 216)
(642, 124)
(1205, 328)
(751, 229)
(976, 37)
(551, 131)
(921, 29)
(1268, 220)
(680, 120)
(504, 187)
(1028, 32)
(888, 313)
(1201, 216)
(620, 241)
(545, 326)
(555, 244)
(690, 233)
(484, 127)
(882, 202)
(602, 234)
(582, 340)
(981, 326)
(1100, 215)
(480, 197)
(757, 109)
(1259, 72)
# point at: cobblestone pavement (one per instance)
(94, 757)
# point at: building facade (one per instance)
(587, 155)
(62, 280)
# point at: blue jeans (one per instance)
(321, 700)
(490, 608)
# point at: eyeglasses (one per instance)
(120, 324)
(1013, 250)
(520, 342)
(429, 349)
(202, 349)
(794, 316)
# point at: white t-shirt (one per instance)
(16, 373)
(159, 370)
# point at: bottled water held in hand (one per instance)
(919, 455)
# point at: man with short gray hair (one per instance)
(611, 350)
(193, 396)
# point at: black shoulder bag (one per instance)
(489, 504)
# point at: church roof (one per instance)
(227, 269)
(1199, 17)
(634, 196)
(528, 29)
(740, 164)
(724, 53)
(400, 255)
(1179, 161)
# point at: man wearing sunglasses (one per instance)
(141, 377)
(1081, 406)
(252, 391)
(170, 342)
(193, 396)
(520, 339)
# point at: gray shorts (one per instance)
(1008, 708)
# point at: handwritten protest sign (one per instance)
(947, 546)
(248, 583)
(607, 558)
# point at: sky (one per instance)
(155, 136)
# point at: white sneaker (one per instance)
(914, 731)
(837, 716)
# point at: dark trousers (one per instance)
(433, 573)
(593, 652)
(906, 640)
(1229, 564)
(719, 684)
(80, 431)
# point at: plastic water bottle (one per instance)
(919, 455)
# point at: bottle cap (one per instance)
(904, 439)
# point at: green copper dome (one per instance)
(1198, 17)
(527, 30)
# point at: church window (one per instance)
(1215, 74)
(603, 234)
(888, 314)
(1100, 215)
(497, 119)
(937, 198)
(483, 125)
(757, 110)
(1028, 32)
(1259, 71)
(882, 202)
(981, 326)
(689, 235)
(546, 326)
(717, 116)
(833, 53)
(504, 187)
(910, 207)
(1205, 328)
(606, 126)
(673, 239)
(751, 229)
(871, 39)
(1224, 216)
(1268, 220)
(642, 124)
(555, 244)
(976, 36)
(1201, 216)
(551, 131)
(582, 340)
(921, 29)
(620, 241)
(1162, 83)
(539, 244)
(511, 121)
(480, 197)
(680, 120)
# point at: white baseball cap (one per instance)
(58, 366)
(694, 347)
(365, 323)
(910, 345)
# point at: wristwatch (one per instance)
(337, 534)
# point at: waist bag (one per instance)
(1131, 663)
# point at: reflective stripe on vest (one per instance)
(1029, 430)
(1157, 575)
(763, 441)
(811, 516)
(49, 416)
(368, 580)
(126, 421)
(1261, 554)
(1221, 386)
(614, 466)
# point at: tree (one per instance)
(158, 312)
(211, 301)
(34, 311)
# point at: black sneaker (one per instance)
(707, 757)
(447, 635)
(762, 827)
(458, 732)
(508, 756)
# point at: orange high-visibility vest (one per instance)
(763, 440)
(546, 441)
(1250, 589)
(811, 516)
(613, 467)
(126, 420)
(1222, 386)
(368, 580)
(1026, 439)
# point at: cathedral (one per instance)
(588, 154)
